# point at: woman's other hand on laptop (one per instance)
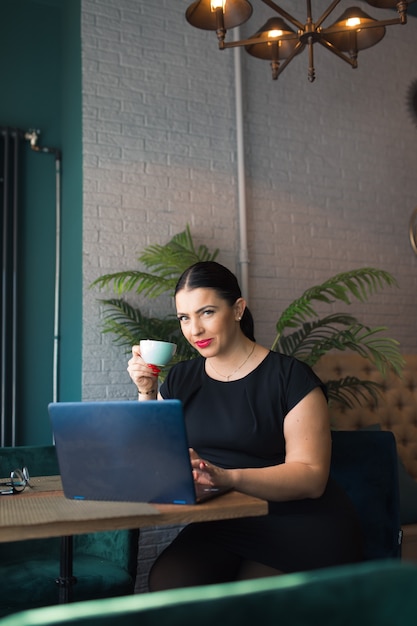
(206, 473)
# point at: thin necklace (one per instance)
(237, 369)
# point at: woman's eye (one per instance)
(208, 312)
(182, 318)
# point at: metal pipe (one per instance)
(4, 316)
(9, 297)
(14, 287)
(241, 178)
(55, 372)
(9, 280)
(33, 137)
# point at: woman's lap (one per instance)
(214, 552)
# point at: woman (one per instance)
(257, 421)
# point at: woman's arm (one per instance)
(304, 473)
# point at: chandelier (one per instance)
(277, 42)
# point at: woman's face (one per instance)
(207, 321)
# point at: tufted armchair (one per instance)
(396, 411)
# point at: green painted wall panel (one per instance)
(40, 87)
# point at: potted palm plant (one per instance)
(299, 330)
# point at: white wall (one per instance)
(331, 167)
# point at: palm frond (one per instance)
(171, 259)
(166, 262)
(312, 334)
(135, 280)
(359, 284)
(350, 390)
(130, 325)
(314, 339)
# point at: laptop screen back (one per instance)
(123, 451)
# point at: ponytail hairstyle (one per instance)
(213, 275)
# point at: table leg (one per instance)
(66, 580)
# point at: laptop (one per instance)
(126, 451)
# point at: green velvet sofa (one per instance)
(104, 563)
(377, 593)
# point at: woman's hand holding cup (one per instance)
(144, 376)
(145, 364)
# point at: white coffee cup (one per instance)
(156, 352)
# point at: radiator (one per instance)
(11, 166)
(11, 143)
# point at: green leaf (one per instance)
(317, 336)
(359, 284)
(314, 339)
(349, 391)
(166, 264)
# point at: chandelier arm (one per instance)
(298, 48)
(327, 12)
(375, 24)
(284, 14)
(329, 46)
(255, 40)
(311, 71)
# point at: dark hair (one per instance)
(213, 275)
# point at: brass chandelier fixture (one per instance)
(279, 43)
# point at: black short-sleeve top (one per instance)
(240, 423)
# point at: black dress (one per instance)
(239, 424)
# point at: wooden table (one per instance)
(43, 511)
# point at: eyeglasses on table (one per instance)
(18, 481)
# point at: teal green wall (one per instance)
(40, 87)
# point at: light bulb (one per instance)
(217, 4)
(353, 21)
(273, 34)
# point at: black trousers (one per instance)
(295, 536)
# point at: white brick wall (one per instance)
(331, 167)
(151, 543)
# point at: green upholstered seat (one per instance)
(104, 563)
(375, 593)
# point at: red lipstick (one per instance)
(203, 343)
